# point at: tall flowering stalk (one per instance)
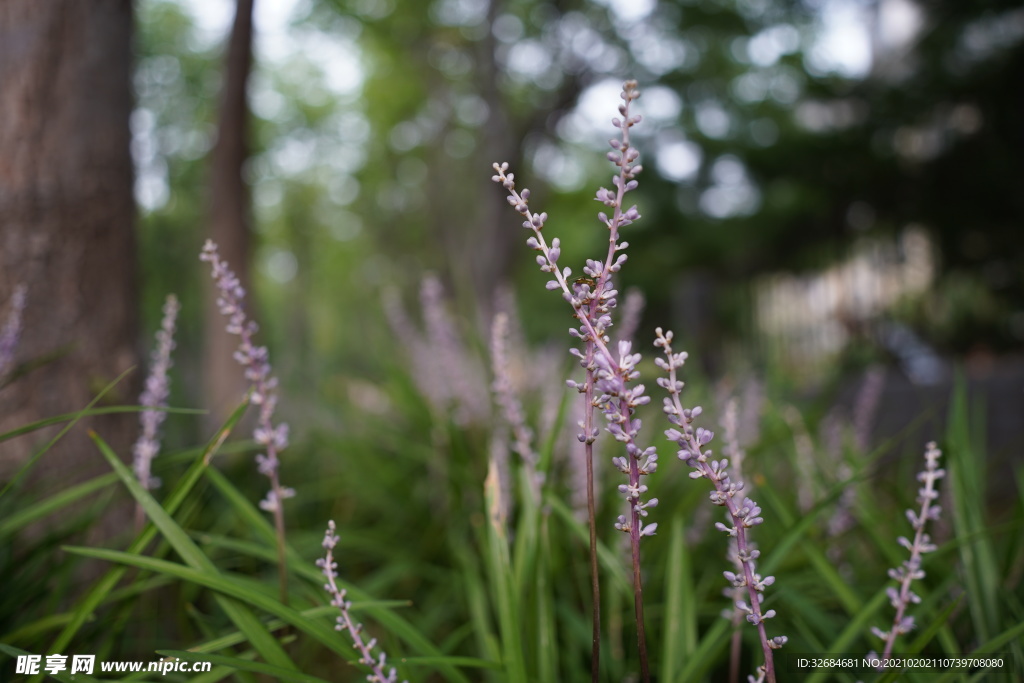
(153, 398)
(730, 432)
(446, 374)
(255, 359)
(901, 596)
(11, 332)
(376, 663)
(609, 370)
(510, 405)
(743, 514)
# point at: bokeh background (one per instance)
(829, 184)
(832, 191)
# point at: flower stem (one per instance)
(595, 587)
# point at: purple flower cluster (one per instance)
(743, 513)
(505, 396)
(11, 333)
(377, 663)
(608, 372)
(900, 597)
(154, 396)
(445, 372)
(255, 359)
(593, 297)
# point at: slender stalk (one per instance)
(377, 663)
(255, 359)
(595, 592)
(154, 397)
(735, 644)
(910, 570)
(744, 513)
(279, 531)
(638, 591)
(608, 373)
(589, 435)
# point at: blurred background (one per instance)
(830, 186)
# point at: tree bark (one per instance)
(224, 384)
(67, 224)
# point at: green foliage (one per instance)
(475, 593)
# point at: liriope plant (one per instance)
(610, 385)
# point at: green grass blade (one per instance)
(796, 531)
(527, 535)
(259, 637)
(468, 662)
(1011, 635)
(610, 561)
(17, 520)
(299, 566)
(54, 621)
(547, 634)
(479, 607)
(501, 580)
(854, 631)
(239, 664)
(218, 673)
(237, 587)
(965, 465)
(715, 640)
(23, 470)
(99, 591)
(680, 631)
(92, 412)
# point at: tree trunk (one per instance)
(67, 224)
(224, 384)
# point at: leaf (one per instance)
(99, 591)
(21, 518)
(680, 631)
(501, 576)
(258, 523)
(265, 644)
(239, 664)
(231, 585)
(23, 470)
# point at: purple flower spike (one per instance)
(376, 663)
(445, 372)
(256, 362)
(11, 333)
(742, 512)
(154, 396)
(510, 405)
(609, 370)
(900, 598)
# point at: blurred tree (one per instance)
(451, 87)
(780, 158)
(375, 129)
(68, 221)
(224, 384)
